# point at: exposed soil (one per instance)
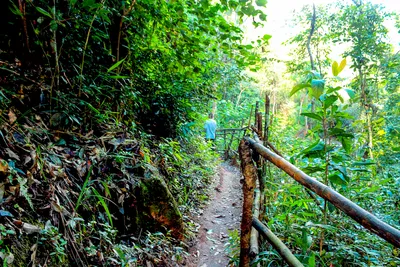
(221, 215)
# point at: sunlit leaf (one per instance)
(312, 115)
(329, 101)
(350, 92)
(299, 87)
(261, 2)
(342, 65)
(335, 69)
(115, 65)
(317, 87)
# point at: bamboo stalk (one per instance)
(251, 112)
(261, 181)
(254, 249)
(256, 113)
(230, 129)
(249, 183)
(266, 125)
(363, 217)
(283, 250)
(259, 125)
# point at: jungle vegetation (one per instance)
(102, 104)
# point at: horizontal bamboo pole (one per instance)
(282, 249)
(363, 217)
(231, 129)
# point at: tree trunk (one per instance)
(250, 175)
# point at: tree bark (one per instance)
(249, 182)
(312, 29)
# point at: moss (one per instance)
(21, 249)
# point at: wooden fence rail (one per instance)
(290, 259)
(363, 217)
(252, 174)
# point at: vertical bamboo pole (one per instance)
(249, 183)
(254, 248)
(259, 125)
(251, 113)
(225, 143)
(256, 112)
(266, 126)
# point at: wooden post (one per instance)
(259, 125)
(249, 183)
(229, 145)
(225, 143)
(251, 113)
(266, 126)
(363, 217)
(289, 258)
(255, 113)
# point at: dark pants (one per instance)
(213, 146)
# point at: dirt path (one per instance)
(222, 214)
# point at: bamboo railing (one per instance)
(252, 174)
(360, 215)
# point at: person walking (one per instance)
(210, 127)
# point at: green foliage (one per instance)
(334, 146)
(54, 243)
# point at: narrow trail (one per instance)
(221, 215)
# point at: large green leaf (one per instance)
(338, 178)
(266, 37)
(261, 2)
(115, 65)
(346, 143)
(312, 115)
(44, 12)
(315, 150)
(299, 87)
(364, 163)
(350, 92)
(340, 132)
(328, 101)
(317, 87)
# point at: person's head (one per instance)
(211, 116)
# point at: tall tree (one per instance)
(361, 25)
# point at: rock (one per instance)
(157, 207)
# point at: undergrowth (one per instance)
(68, 198)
